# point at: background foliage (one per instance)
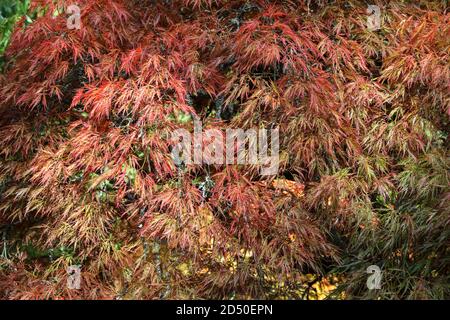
(86, 175)
(10, 13)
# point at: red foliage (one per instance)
(86, 117)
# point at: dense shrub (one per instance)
(87, 178)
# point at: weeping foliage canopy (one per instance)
(87, 178)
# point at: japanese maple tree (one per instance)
(87, 177)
